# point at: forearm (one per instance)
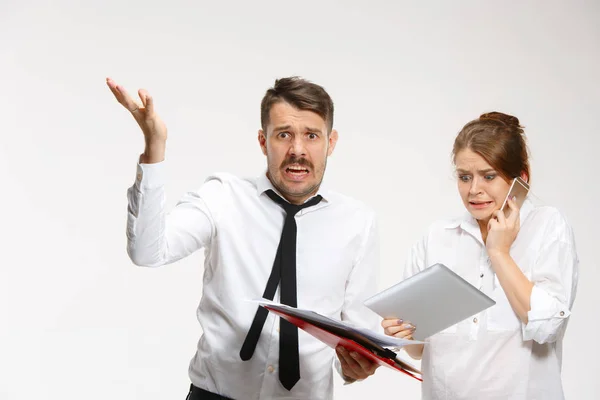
(415, 351)
(515, 284)
(154, 152)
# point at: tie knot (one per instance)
(292, 209)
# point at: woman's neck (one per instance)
(483, 227)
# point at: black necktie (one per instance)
(284, 269)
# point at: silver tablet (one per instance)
(432, 300)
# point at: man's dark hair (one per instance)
(301, 94)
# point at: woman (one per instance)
(526, 262)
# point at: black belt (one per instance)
(200, 394)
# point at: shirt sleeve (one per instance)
(554, 276)
(155, 237)
(362, 284)
(362, 281)
(415, 262)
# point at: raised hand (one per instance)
(153, 128)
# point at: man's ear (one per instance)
(333, 138)
(262, 141)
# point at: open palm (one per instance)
(154, 129)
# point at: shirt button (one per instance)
(271, 369)
(562, 313)
(481, 276)
(139, 176)
(475, 320)
(278, 329)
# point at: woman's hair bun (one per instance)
(505, 118)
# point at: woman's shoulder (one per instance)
(551, 221)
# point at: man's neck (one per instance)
(292, 199)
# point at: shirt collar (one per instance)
(263, 184)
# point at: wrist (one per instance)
(154, 152)
(415, 351)
(497, 254)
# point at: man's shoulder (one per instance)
(222, 188)
(351, 204)
(228, 179)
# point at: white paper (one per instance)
(379, 338)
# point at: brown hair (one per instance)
(500, 140)
(301, 94)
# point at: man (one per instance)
(281, 236)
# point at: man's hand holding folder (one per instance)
(373, 349)
(354, 366)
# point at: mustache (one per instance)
(298, 161)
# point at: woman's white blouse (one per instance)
(493, 355)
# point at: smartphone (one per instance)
(519, 188)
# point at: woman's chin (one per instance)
(481, 215)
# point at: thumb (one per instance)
(147, 102)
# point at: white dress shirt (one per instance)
(238, 226)
(493, 355)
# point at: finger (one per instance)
(343, 354)
(340, 353)
(147, 102)
(500, 217)
(512, 202)
(351, 364)
(128, 101)
(112, 85)
(403, 334)
(395, 330)
(345, 367)
(514, 215)
(391, 322)
(365, 365)
(496, 214)
(392, 330)
(123, 97)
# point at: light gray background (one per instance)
(79, 321)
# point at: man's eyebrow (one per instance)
(282, 127)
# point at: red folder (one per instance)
(335, 337)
